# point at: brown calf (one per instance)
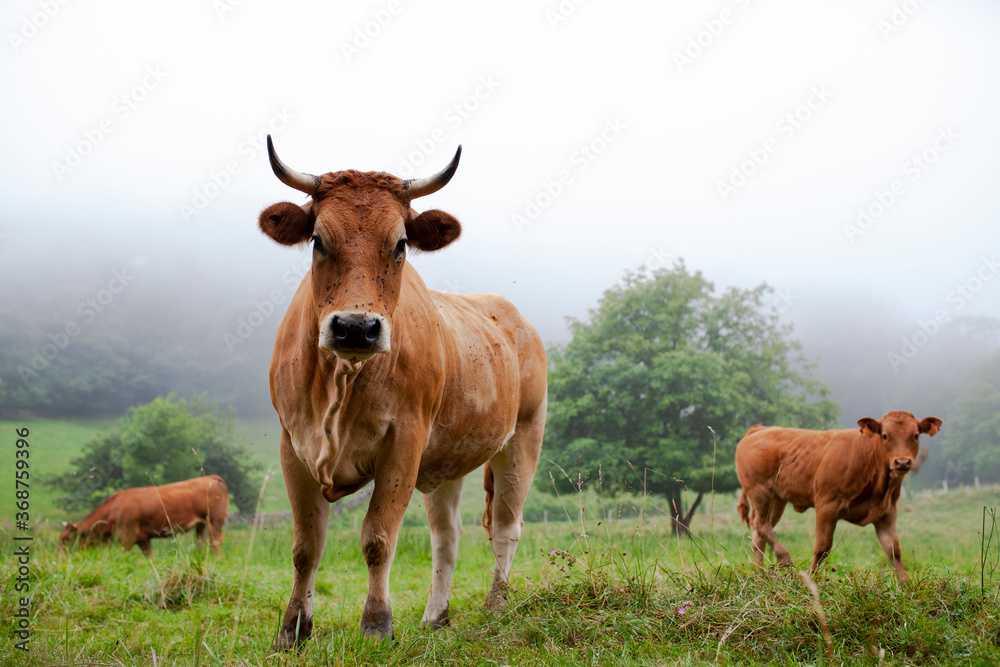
(135, 516)
(845, 474)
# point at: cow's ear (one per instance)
(432, 230)
(930, 425)
(287, 223)
(872, 425)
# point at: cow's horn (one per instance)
(418, 187)
(307, 183)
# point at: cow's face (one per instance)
(68, 535)
(360, 226)
(899, 434)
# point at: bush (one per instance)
(167, 440)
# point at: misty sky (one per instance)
(743, 136)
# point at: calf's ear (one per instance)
(930, 425)
(872, 425)
(287, 223)
(432, 230)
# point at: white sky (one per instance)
(652, 192)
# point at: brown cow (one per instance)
(376, 377)
(844, 474)
(135, 516)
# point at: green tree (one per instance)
(972, 436)
(167, 440)
(656, 389)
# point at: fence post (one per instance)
(976, 480)
(545, 517)
(355, 522)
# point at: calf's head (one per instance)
(898, 433)
(360, 225)
(68, 534)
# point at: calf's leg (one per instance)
(446, 529)
(826, 523)
(768, 510)
(309, 513)
(885, 529)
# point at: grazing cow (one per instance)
(135, 516)
(844, 474)
(376, 377)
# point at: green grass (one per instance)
(53, 444)
(604, 593)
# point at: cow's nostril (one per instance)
(338, 329)
(372, 330)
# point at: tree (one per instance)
(661, 364)
(972, 436)
(167, 440)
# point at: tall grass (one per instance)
(588, 590)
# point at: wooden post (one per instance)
(610, 514)
(545, 517)
(355, 522)
(975, 479)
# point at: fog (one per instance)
(843, 153)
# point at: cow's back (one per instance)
(785, 461)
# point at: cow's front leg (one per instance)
(145, 547)
(395, 477)
(826, 522)
(885, 528)
(309, 514)
(446, 529)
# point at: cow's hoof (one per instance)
(377, 624)
(442, 621)
(293, 633)
(288, 639)
(496, 601)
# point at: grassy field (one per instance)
(594, 593)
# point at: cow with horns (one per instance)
(375, 377)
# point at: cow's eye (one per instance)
(400, 247)
(318, 245)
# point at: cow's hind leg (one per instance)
(309, 514)
(446, 529)
(513, 469)
(780, 552)
(768, 510)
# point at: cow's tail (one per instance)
(488, 487)
(743, 507)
